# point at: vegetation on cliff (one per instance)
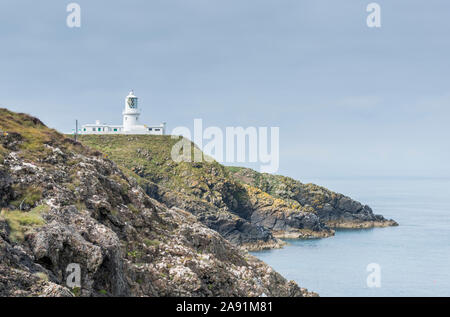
(243, 214)
(335, 210)
(278, 206)
(64, 203)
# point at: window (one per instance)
(93, 129)
(150, 129)
(84, 129)
(157, 129)
(115, 130)
(99, 129)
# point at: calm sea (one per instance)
(414, 258)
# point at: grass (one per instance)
(42, 276)
(124, 186)
(76, 291)
(30, 196)
(80, 205)
(3, 153)
(103, 292)
(234, 169)
(33, 136)
(286, 188)
(33, 132)
(267, 199)
(19, 221)
(149, 157)
(136, 254)
(151, 243)
(133, 208)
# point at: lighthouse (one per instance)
(131, 113)
(130, 123)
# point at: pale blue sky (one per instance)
(349, 100)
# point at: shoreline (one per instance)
(303, 234)
(307, 234)
(362, 224)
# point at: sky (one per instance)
(350, 101)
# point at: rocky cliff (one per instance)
(248, 208)
(333, 209)
(63, 203)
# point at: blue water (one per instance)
(414, 258)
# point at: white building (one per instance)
(130, 124)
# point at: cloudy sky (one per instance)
(349, 100)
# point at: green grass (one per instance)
(133, 208)
(151, 243)
(32, 131)
(42, 276)
(286, 188)
(147, 158)
(136, 254)
(19, 221)
(234, 169)
(3, 153)
(29, 196)
(103, 292)
(124, 186)
(32, 135)
(76, 291)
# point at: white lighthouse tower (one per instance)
(130, 124)
(131, 113)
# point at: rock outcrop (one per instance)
(334, 210)
(63, 203)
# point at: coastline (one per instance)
(303, 234)
(307, 234)
(362, 224)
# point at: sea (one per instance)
(412, 259)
